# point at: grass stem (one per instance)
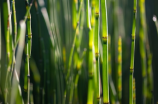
(105, 52)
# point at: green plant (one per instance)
(132, 53)
(105, 52)
(77, 52)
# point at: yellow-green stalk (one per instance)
(143, 64)
(96, 13)
(143, 36)
(119, 70)
(90, 69)
(105, 52)
(7, 30)
(27, 56)
(149, 72)
(132, 54)
(90, 56)
(14, 19)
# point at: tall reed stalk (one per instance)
(119, 70)
(28, 55)
(96, 46)
(143, 40)
(8, 31)
(90, 69)
(132, 54)
(105, 52)
(90, 55)
(143, 64)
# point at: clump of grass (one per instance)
(58, 69)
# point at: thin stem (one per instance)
(28, 55)
(14, 19)
(96, 46)
(105, 52)
(132, 54)
(119, 86)
(7, 21)
(90, 56)
(143, 39)
(25, 18)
